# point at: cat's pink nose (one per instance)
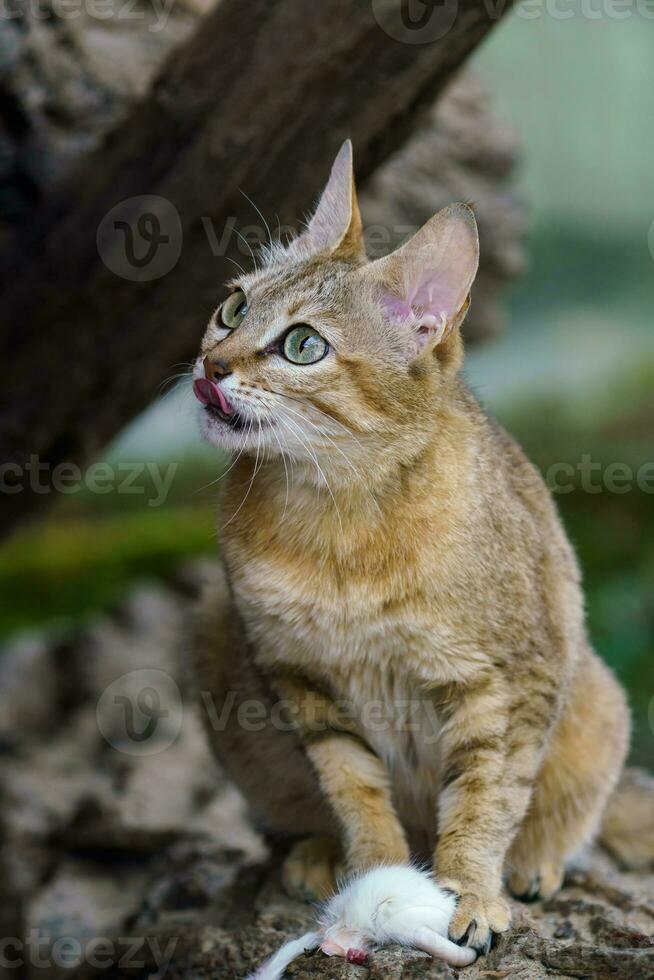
(210, 393)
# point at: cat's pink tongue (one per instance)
(209, 393)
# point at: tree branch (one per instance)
(259, 98)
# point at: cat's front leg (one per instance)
(357, 787)
(353, 779)
(492, 747)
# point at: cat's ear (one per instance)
(425, 285)
(336, 223)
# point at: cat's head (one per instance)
(320, 352)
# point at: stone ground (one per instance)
(144, 844)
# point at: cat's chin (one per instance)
(223, 433)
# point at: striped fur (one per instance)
(400, 579)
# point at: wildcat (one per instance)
(386, 546)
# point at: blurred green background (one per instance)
(571, 377)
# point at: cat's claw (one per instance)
(464, 940)
(476, 922)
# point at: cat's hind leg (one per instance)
(251, 738)
(581, 767)
(312, 868)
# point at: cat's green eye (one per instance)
(304, 345)
(234, 310)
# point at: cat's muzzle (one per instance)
(234, 420)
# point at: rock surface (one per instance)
(124, 850)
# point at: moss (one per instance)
(66, 568)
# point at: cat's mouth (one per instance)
(234, 419)
(217, 404)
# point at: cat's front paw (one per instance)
(477, 918)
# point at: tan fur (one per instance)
(410, 558)
(312, 868)
(628, 824)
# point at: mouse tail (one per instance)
(274, 968)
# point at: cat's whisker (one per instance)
(304, 419)
(187, 365)
(244, 438)
(321, 432)
(360, 478)
(281, 449)
(175, 377)
(174, 386)
(307, 444)
(244, 239)
(270, 238)
(184, 375)
(318, 467)
(300, 401)
(237, 264)
(254, 473)
(347, 433)
(324, 435)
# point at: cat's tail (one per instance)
(628, 826)
(275, 967)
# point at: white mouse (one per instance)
(395, 904)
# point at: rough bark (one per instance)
(97, 840)
(66, 78)
(64, 83)
(260, 102)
